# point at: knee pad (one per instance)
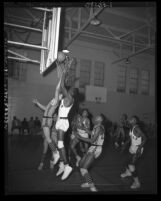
(60, 144)
(131, 168)
(83, 171)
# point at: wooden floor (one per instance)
(23, 157)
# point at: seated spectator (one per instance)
(31, 126)
(15, 125)
(24, 126)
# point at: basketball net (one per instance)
(64, 66)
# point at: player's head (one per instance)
(134, 120)
(98, 119)
(85, 113)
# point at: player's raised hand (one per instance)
(35, 101)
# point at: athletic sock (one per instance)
(52, 147)
(88, 178)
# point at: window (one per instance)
(17, 70)
(121, 81)
(145, 82)
(99, 74)
(133, 81)
(71, 74)
(85, 69)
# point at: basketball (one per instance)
(61, 57)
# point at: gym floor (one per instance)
(23, 157)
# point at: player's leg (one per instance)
(133, 169)
(85, 163)
(64, 164)
(45, 148)
(46, 130)
(55, 154)
(127, 172)
(74, 143)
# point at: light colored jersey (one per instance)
(135, 141)
(51, 107)
(100, 138)
(63, 111)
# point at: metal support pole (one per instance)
(109, 31)
(131, 55)
(21, 59)
(134, 30)
(19, 55)
(79, 18)
(42, 62)
(22, 27)
(42, 9)
(27, 45)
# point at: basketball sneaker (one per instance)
(67, 172)
(61, 169)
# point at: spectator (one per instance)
(31, 126)
(15, 125)
(24, 126)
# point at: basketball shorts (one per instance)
(95, 150)
(47, 122)
(62, 124)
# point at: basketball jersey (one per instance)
(63, 111)
(100, 138)
(51, 107)
(135, 141)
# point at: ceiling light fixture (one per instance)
(66, 51)
(94, 21)
(127, 61)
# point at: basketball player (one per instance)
(62, 126)
(121, 131)
(137, 140)
(76, 123)
(48, 120)
(46, 145)
(82, 129)
(94, 151)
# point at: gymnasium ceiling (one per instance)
(126, 27)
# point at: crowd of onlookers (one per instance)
(113, 129)
(30, 127)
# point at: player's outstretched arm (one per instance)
(42, 107)
(64, 91)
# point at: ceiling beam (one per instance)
(22, 27)
(109, 37)
(133, 31)
(84, 26)
(133, 54)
